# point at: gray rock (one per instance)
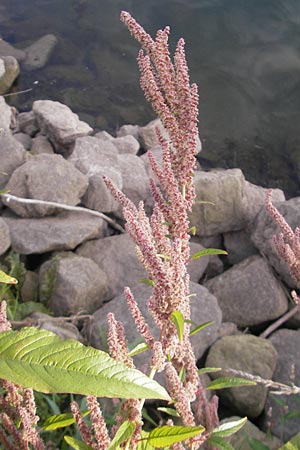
(246, 437)
(10, 74)
(265, 228)
(224, 190)
(243, 303)
(5, 114)
(96, 158)
(127, 144)
(239, 246)
(129, 130)
(135, 178)
(204, 308)
(248, 353)
(8, 50)
(287, 344)
(38, 54)
(12, 155)
(116, 256)
(63, 183)
(104, 136)
(197, 267)
(254, 200)
(63, 232)
(4, 237)
(78, 285)
(29, 288)
(26, 123)
(63, 329)
(59, 124)
(157, 153)
(24, 139)
(40, 144)
(2, 68)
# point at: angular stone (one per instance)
(239, 246)
(129, 130)
(11, 73)
(223, 190)
(12, 155)
(264, 230)
(26, 123)
(96, 158)
(204, 308)
(197, 267)
(4, 237)
(5, 114)
(248, 353)
(63, 232)
(8, 50)
(244, 303)
(135, 178)
(59, 124)
(40, 144)
(116, 256)
(29, 288)
(24, 139)
(287, 344)
(127, 144)
(39, 52)
(104, 136)
(62, 184)
(77, 285)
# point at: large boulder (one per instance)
(4, 237)
(264, 230)
(12, 155)
(71, 284)
(243, 302)
(63, 183)
(239, 246)
(59, 124)
(126, 144)
(96, 158)
(7, 49)
(63, 232)
(204, 308)
(135, 178)
(10, 73)
(247, 353)
(287, 371)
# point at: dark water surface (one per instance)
(244, 55)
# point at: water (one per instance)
(244, 55)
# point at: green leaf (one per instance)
(293, 444)
(123, 433)
(200, 327)
(229, 382)
(139, 348)
(166, 435)
(164, 256)
(219, 442)
(178, 319)
(76, 444)
(255, 444)
(143, 444)
(169, 411)
(208, 251)
(60, 421)
(209, 369)
(193, 230)
(7, 279)
(41, 360)
(229, 428)
(147, 281)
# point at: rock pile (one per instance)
(82, 264)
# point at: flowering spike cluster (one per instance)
(117, 344)
(98, 423)
(287, 243)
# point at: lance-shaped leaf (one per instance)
(60, 421)
(229, 428)
(41, 360)
(209, 369)
(7, 279)
(123, 433)
(200, 327)
(208, 251)
(178, 320)
(219, 442)
(229, 382)
(76, 444)
(139, 348)
(170, 411)
(165, 436)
